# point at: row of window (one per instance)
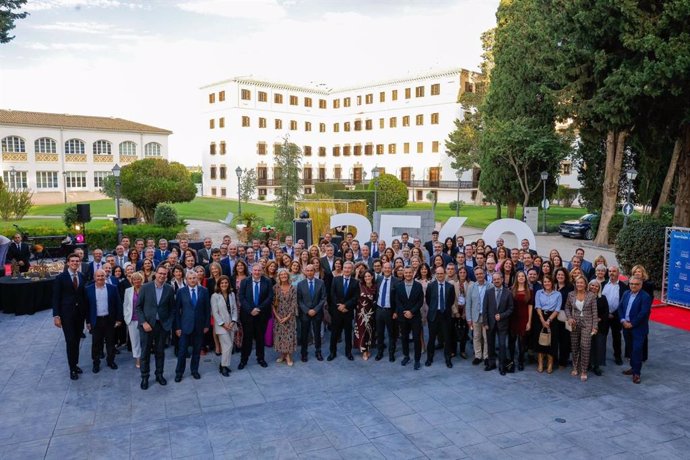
(357, 125)
(347, 149)
(47, 180)
(15, 144)
(262, 96)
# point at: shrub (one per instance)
(362, 186)
(358, 195)
(454, 205)
(392, 192)
(14, 204)
(70, 216)
(567, 195)
(262, 197)
(165, 216)
(328, 188)
(616, 224)
(643, 243)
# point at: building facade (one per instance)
(65, 158)
(399, 126)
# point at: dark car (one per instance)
(580, 228)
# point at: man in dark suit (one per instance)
(365, 257)
(104, 315)
(498, 306)
(256, 299)
(156, 312)
(69, 309)
(429, 245)
(440, 297)
(344, 295)
(204, 254)
(20, 252)
(192, 321)
(327, 262)
(311, 300)
(613, 289)
(373, 245)
(633, 311)
(161, 253)
(409, 298)
(95, 265)
(386, 314)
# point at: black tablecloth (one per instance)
(25, 297)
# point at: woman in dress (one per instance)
(284, 318)
(224, 312)
(564, 286)
(396, 247)
(364, 314)
(215, 272)
(423, 276)
(147, 270)
(508, 272)
(597, 356)
(399, 272)
(388, 252)
(129, 309)
(601, 273)
(349, 255)
(546, 269)
(295, 273)
(502, 256)
(520, 321)
(437, 261)
(239, 273)
(314, 251)
(547, 304)
(177, 280)
(581, 310)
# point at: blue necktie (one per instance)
(441, 299)
(347, 281)
(256, 294)
(311, 289)
(383, 294)
(194, 297)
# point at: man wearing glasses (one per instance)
(633, 312)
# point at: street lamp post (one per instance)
(631, 174)
(413, 197)
(375, 176)
(116, 174)
(458, 174)
(64, 185)
(544, 177)
(238, 171)
(13, 178)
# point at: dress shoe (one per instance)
(78, 370)
(225, 372)
(521, 367)
(102, 355)
(96, 368)
(428, 363)
(262, 363)
(196, 375)
(144, 384)
(379, 356)
(417, 365)
(74, 375)
(112, 365)
(628, 372)
(439, 346)
(636, 379)
(489, 367)
(319, 356)
(391, 358)
(502, 371)
(241, 366)
(331, 357)
(350, 357)
(405, 361)
(449, 364)
(597, 371)
(161, 380)
(619, 361)
(305, 358)
(178, 378)
(117, 352)
(476, 361)
(463, 355)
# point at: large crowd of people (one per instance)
(503, 308)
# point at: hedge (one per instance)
(616, 225)
(357, 195)
(328, 188)
(643, 243)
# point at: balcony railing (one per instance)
(441, 184)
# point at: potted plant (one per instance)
(245, 225)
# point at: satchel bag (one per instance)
(545, 337)
(562, 317)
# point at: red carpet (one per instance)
(671, 316)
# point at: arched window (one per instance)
(74, 146)
(128, 148)
(45, 145)
(13, 144)
(102, 148)
(152, 149)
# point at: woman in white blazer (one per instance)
(224, 310)
(129, 307)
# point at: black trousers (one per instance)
(563, 336)
(72, 327)
(152, 341)
(616, 331)
(520, 341)
(461, 334)
(415, 326)
(194, 339)
(254, 330)
(103, 330)
(502, 335)
(310, 323)
(341, 322)
(385, 322)
(440, 327)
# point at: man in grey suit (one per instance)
(474, 310)
(498, 306)
(311, 300)
(365, 253)
(156, 312)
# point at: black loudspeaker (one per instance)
(301, 230)
(84, 212)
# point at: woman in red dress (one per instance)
(364, 314)
(520, 320)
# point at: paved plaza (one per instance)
(340, 409)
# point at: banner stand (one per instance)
(675, 287)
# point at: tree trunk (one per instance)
(498, 210)
(615, 150)
(670, 175)
(512, 210)
(681, 216)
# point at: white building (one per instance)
(64, 158)
(398, 125)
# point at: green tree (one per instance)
(9, 13)
(197, 177)
(288, 161)
(391, 191)
(247, 184)
(151, 181)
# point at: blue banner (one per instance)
(678, 278)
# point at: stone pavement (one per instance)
(339, 409)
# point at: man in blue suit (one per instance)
(104, 315)
(440, 297)
(256, 299)
(161, 254)
(633, 311)
(192, 321)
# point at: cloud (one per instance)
(37, 46)
(81, 27)
(40, 5)
(266, 10)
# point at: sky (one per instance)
(145, 60)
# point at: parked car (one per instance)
(580, 228)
